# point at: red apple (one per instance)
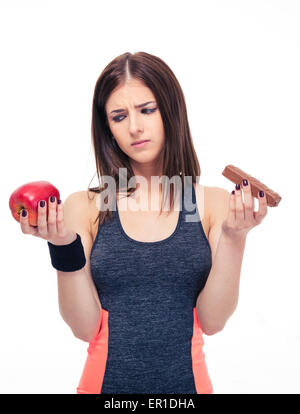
(28, 196)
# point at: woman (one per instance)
(142, 286)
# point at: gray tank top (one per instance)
(149, 292)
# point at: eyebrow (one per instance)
(136, 106)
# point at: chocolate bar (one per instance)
(236, 175)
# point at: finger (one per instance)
(42, 218)
(60, 219)
(231, 213)
(52, 230)
(239, 205)
(263, 207)
(248, 202)
(24, 223)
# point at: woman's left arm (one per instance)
(218, 299)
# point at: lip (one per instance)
(140, 143)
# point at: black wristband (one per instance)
(68, 257)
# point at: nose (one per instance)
(135, 124)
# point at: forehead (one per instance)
(131, 93)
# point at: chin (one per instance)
(143, 158)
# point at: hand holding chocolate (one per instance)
(236, 175)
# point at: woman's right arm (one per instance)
(79, 304)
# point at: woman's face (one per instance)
(131, 124)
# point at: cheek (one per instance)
(162, 139)
(162, 135)
(159, 127)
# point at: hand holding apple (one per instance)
(28, 196)
(44, 220)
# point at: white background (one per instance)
(238, 64)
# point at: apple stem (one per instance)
(20, 210)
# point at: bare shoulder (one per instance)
(86, 204)
(80, 198)
(217, 203)
(78, 208)
(212, 203)
(201, 192)
(78, 204)
(92, 199)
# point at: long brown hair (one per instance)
(179, 157)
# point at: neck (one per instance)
(147, 170)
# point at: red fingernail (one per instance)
(232, 192)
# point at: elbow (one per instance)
(86, 336)
(212, 330)
(83, 338)
(81, 332)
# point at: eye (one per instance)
(117, 118)
(150, 110)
